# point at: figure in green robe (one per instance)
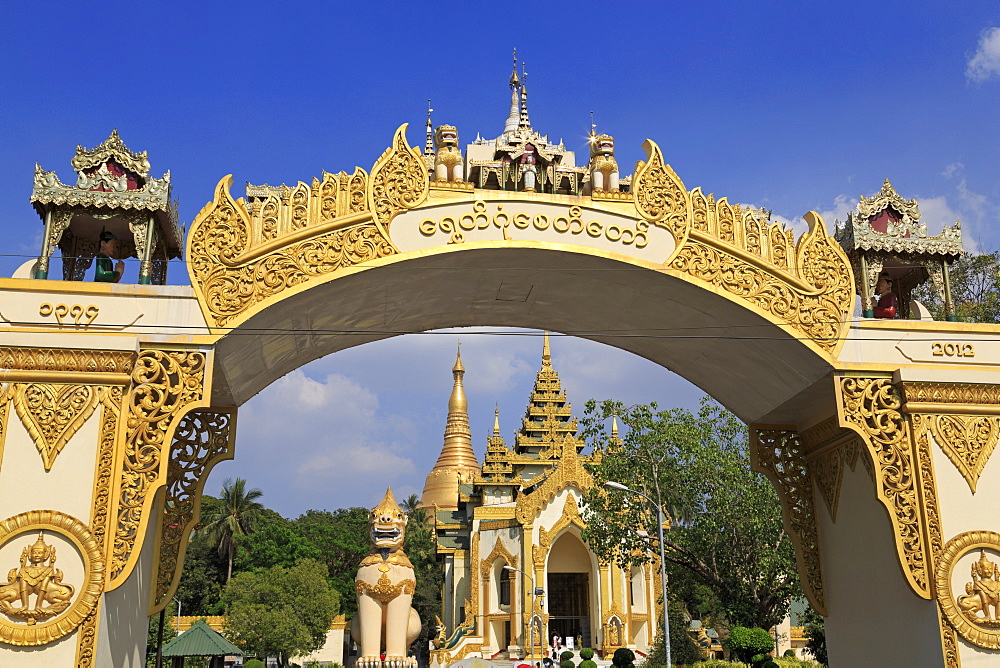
(104, 271)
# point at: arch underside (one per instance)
(758, 369)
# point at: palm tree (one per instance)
(236, 514)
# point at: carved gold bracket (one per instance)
(202, 439)
(903, 475)
(779, 453)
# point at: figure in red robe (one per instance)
(885, 304)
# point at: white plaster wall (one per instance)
(873, 613)
(124, 624)
(332, 649)
(68, 487)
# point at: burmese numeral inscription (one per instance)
(74, 312)
(939, 349)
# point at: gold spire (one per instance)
(496, 421)
(457, 462)
(546, 352)
(614, 425)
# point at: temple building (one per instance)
(508, 536)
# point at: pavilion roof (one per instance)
(200, 640)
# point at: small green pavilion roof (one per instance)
(200, 640)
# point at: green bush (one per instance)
(719, 663)
(567, 663)
(253, 663)
(623, 658)
(789, 654)
(567, 655)
(586, 654)
(747, 644)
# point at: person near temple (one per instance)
(104, 272)
(885, 304)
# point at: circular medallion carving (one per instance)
(967, 586)
(39, 603)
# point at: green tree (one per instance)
(815, 631)
(683, 650)
(727, 529)
(975, 289)
(748, 644)
(275, 542)
(200, 588)
(341, 537)
(236, 514)
(281, 612)
(420, 546)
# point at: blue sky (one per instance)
(792, 106)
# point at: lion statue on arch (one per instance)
(386, 621)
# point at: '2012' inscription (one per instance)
(571, 223)
(939, 349)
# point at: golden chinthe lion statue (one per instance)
(386, 621)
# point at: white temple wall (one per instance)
(861, 572)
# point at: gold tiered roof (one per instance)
(457, 462)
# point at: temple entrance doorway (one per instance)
(568, 591)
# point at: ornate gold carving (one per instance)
(570, 516)
(62, 359)
(975, 615)
(928, 487)
(87, 639)
(164, 384)
(203, 438)
(384, 591)
(228, 285)
(780, 455)
(500, 551)
(968, 440)
(659, 194)
(570, 473)
(828, 472)
(872, 407)
(38, 577)
(110, 412)
(52, 414)
(951, 393)
(814, 296)
(41, 579)
(949, 645)
(398, 181)
(4, 403)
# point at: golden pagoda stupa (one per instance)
(457, 463)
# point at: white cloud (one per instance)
(984, 63)
(952, 169)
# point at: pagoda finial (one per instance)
(546, 351)
(593, 125)
(524, 122)
(429, 144)
(496, 421)
(614, 424)
(514, 114)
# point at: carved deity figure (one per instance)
(448, 159)
(528, 169)
(603, 166)
(986, 585)
(36, 586)
(386, 621)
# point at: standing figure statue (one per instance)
(386, 621)
(104, 272)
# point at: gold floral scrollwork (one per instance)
(973, 610)
(203, 438)
(828, 472)
(52, 413)
(659, 194)
(4, 403)
(398, 181)
(499, 551)
(780, 455)
(872, 407)
(164, 383)
(103, 477)
(968, 441)
(384, 591)
(61, 607)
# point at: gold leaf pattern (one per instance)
(398, 181)
(780, 455)
(659, 194)
(872, 406)
(52, 413)
(202, 439)
(59, 359)
(968, 440)
(164, 383)
(828, 472)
